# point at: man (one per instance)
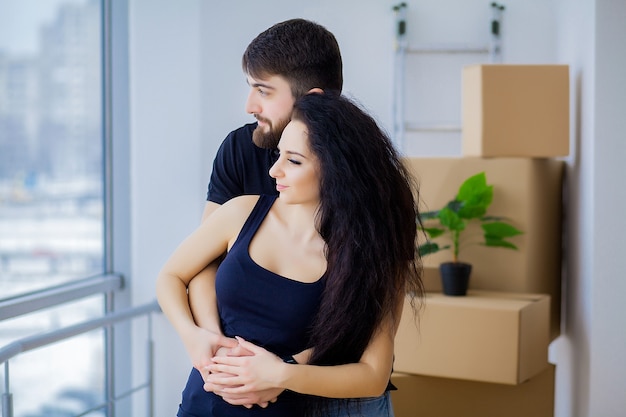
(286, 61)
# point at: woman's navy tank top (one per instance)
(264, 308)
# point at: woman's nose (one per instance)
(275, 170)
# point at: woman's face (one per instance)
(297, 169)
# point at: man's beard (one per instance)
(269, 139)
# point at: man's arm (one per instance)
(223, 186)
(201, 289)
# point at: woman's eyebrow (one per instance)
(296, 153)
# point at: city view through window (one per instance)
(51, 193)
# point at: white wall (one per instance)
(571, 351)
(367, 41)
(227, 28)
(188, 92)
(167, 170)
(607, 382)
(589, 355)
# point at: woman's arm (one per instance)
(209, 241)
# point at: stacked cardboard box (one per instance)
(528, 192)
(485, 336)
(494, 341)
(425, 396)
(516, 111)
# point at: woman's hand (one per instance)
(259, 371)
(261, 398)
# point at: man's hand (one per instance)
(202, 345)
(262, 398)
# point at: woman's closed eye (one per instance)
(292, 160)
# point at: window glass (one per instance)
(51, 181)
(51, 192)
(61, 379)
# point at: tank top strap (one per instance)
(254, 220)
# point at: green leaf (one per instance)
(434, 232)
(450, 219)
(469, 211)
(475, 195)
(429, 248)
(497, 242)
(474, 185)
(500, 229)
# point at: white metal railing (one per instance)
(50, 297)
(493, 50)
(105, 284)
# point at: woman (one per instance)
(323, 268)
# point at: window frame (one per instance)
(116, 219)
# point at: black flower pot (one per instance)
(455, 277)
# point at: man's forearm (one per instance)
(202, 300)
(172, 297)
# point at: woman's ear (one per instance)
(316, 90)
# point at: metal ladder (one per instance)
(493, 49)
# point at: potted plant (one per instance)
(470, 205)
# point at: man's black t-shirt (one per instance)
(240, 167)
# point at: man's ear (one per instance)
(316, 90)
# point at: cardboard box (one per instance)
(529, 193)
(440, 397)
(515, 110)
(485, 336)
(431, 279)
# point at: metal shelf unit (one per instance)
(493, 50)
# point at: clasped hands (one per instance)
(243, 373)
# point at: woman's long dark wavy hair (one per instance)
(367, 217)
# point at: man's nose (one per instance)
(252, 106)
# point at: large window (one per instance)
(51, 191)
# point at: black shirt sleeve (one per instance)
(240, 167)
(224, 183)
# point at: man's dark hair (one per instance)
(305, 53)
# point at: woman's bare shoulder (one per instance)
(235, 210)
(243, 203)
